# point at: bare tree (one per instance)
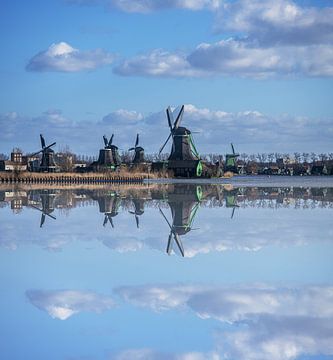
(297, 157)
(305, 157)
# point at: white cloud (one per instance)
(150, 354)
(62, 57)
(265, 322)
(233, 58)
(277, 21)
(158, 63)
(148, 6)
(62, 304)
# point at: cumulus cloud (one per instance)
(270, 38)
(251, 130)
(265, 322)
(233, 58)
(158, 63)
(148, 6)
(277, 21)
(62, 304)
(62, 57)
(150, 354)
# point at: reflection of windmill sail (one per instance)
(184, 203)
(138, 209)
(230, 202)
(47, 201)
(173, 235)
(109, 205)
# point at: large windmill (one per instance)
(139, 155)
(184, 202)
(109, 156)
(47, 163)
(231, 161)
(184, 159)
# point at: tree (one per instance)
(305, 157)
(297, 157)
(3, 156)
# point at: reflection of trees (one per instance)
(157, 197)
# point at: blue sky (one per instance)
(257, 73)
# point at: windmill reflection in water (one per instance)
(184, 204)
(47, 199)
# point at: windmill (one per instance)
(47, 163)
(47, 200)
(109, 156)
(139, 155)
(109, 205)
(184, 158)
(184, 203)
(231, 161)
(138, 209)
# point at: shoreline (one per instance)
(254, 181)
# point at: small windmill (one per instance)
(139, 155)
(109, 156)
(47, 201)
(47, 163)
(231, 161)
(184, 158)
(138, 209)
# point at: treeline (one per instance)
(126, 157)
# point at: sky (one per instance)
(255, 73)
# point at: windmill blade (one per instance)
(169, 245)
(42, 220)
(170, 117)
(105, 220)
(37, 208)
(105, 140)
(165, 217)
(137, 221)
(179, 243)
(233, 211)
(51, 216)
(110, 220)
(232, 147)
(137, 140)
(111, 139)
(47, 147)
(179, 117)
(36, 153)
(42, 141)
(131, 149)
(161, 149)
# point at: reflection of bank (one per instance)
(47, 202)
(184, 203)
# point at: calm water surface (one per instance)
(166, 272)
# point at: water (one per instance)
(180, 272)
